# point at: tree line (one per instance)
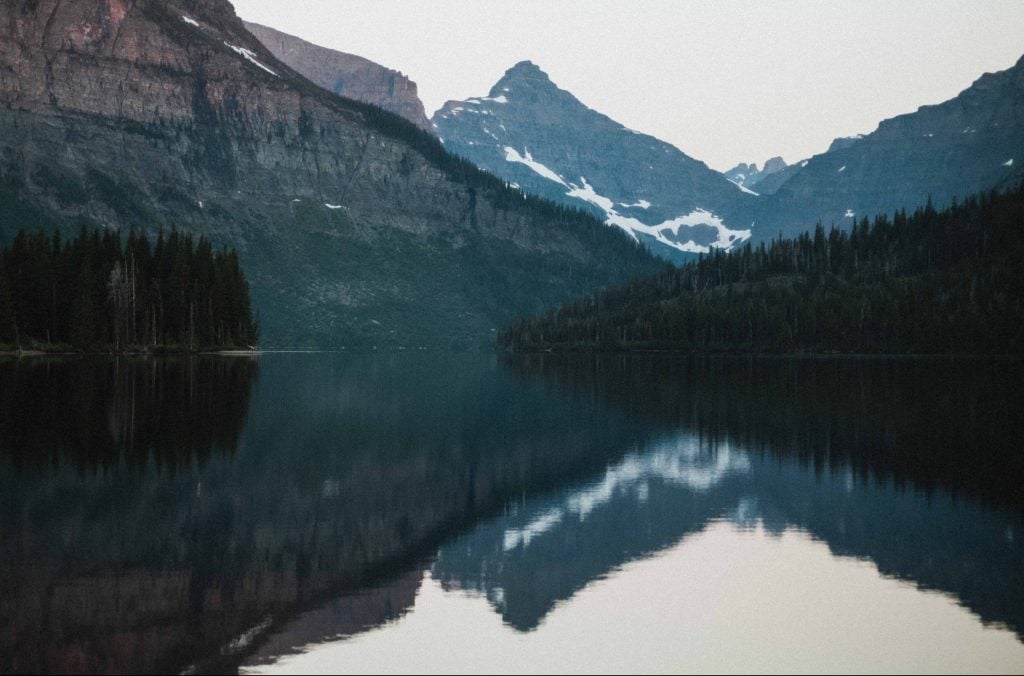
(99, 291)
(930, 282)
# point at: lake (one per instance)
(434, 512)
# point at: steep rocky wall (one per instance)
(354, 226)
(346, 74)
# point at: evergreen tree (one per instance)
(84, 316)
(8, 323)
(94, 291)
(931, 282)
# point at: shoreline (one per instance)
(21, 353)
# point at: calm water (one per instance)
(424, 512)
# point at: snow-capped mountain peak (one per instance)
(540, 137)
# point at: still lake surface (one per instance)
(467, 513)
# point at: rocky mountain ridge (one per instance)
(543, 139)
(346, 74)
(971, 143)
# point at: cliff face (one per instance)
(354, 226)
(346, 74)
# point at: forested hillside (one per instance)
(932, 282)
(96, 292)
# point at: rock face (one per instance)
(540, 137)
(354, 226)
(748, 175)
(972, 143)
(346, 74)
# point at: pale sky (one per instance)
(726, 82)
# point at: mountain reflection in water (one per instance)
(349, 480)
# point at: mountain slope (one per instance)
(971, 143)
(346, 74)
(354, 226)
(543, 139)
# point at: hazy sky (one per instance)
(726, 82)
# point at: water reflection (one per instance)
(348, 480)
(910, 465)
(544, 551)
(99, 413)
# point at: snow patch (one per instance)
(679, 462)
(727, 238)
(841, 169)
(588, 194)
(512, 155)
(521, 537)
(804, 164)
(849, 214)
(190, 21)
(744, 188)
(642, 204)
(1008, 163)
(333, 207)
(498, 99)
(249, 56)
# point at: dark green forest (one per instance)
(933, 282)
(100, 292)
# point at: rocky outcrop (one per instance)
(346, 74)
(545, 140)
(354, 226)
(748, 175)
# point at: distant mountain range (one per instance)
(748, 175)
(355, 227)
(544, 140)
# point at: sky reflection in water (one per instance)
(680, 559)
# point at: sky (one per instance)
(726, 82)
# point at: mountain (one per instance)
(354, 226)
(544, 140)
(748, 175)
(346, 74)
(966, 145)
